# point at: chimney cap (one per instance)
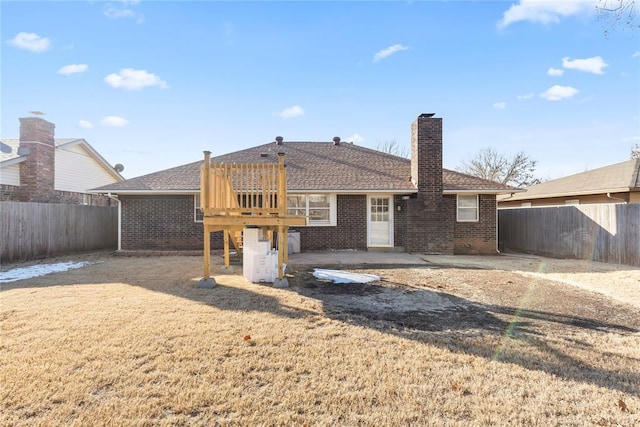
(336, 140)
(279, 140)
(426, 115)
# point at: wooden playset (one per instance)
(235, 196)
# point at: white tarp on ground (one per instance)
(38, 270)
(338, 276)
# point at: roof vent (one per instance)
(264, 154)
(279, 140)
(425, 115)
(336, 140)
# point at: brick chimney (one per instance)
(430, 215)
(37, 173)
(426, 154)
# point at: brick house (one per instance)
(355, 198)
(38, 167)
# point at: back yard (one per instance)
(456, 341)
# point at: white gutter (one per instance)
(119, 219)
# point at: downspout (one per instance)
(119, 219)
(616, 198)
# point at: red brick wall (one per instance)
(350, 233)
(399, 221)
(430, 224)
(166, 223)
(9, 193)
(37, 173)
(162, 223)
(478, 237)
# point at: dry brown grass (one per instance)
(131, 341)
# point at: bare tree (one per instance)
(618, 13)
(635, 151)
(392, 147)
(517, 171)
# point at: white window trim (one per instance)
(196, 208)
(333, 211)
(477, 208)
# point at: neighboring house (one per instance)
(618, 183)
(355, 198)
(38, 167)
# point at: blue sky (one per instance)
(153, 84)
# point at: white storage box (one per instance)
(294, 242)
(263, 269)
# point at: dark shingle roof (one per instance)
(619, 177)
(312, 166)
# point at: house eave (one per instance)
(146, 192)
(97, 156)
(523, 197)
(13, 161)
(360, 191)
(293, 191)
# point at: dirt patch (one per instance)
(466, 299)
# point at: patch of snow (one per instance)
(338, 276)
(38, 270)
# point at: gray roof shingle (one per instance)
(311, 166)
(619, 177)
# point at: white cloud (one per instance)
(636, 54)
(545, 11)
(557, 93)
(388, 51)
(114, 121)
(555, 72)
(356, 138)
(73, 69)
(290, 112)
(30, 41)
(589, 65)
(500, 105)
(131, 79)
(123, 12)
(85, 124)
(526, 96)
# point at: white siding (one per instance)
(77, 171)
(10, 175)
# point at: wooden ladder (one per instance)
(235, 235)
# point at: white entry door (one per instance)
(380, 221)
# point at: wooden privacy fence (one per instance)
(599, 232)
(34, 230)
